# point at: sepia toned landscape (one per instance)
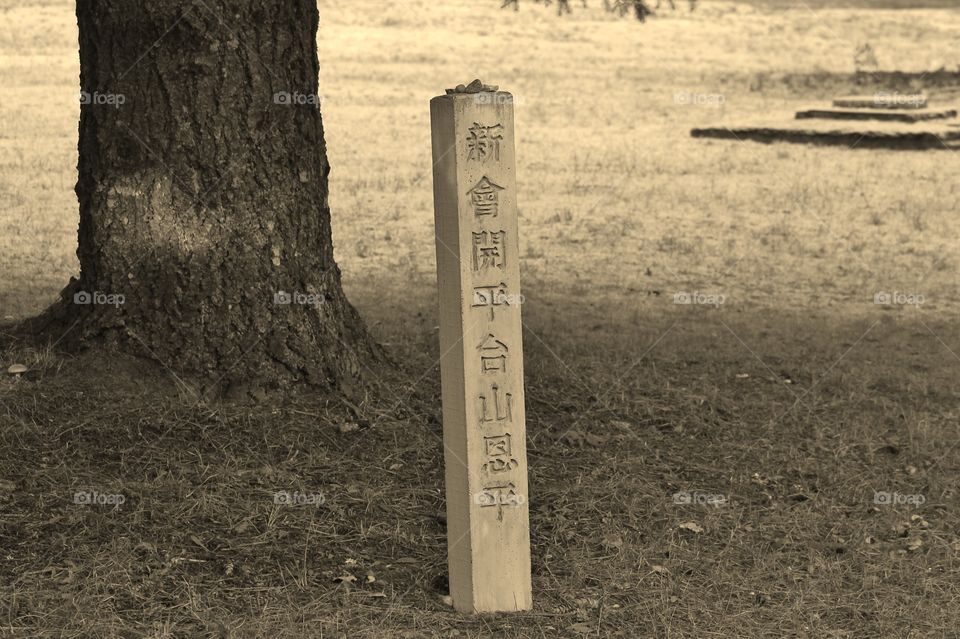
(766, 330)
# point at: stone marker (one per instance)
(882, 101)
(481, 365)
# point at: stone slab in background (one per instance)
(853, 138)
(917, 115)
(882, 101)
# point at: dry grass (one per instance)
(796, 399)
(798, 549)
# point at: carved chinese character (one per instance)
(485, 198)
(497, 450)
(483, 142)
(491, 296)
(493, 355)
(488, 250)
(499, 465)
(497, 445)
(501, 404)
(499, 495)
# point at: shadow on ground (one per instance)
(780, 428)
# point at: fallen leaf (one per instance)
(612, 541)
(146, 546)
(692, 526)
(346, 578)
(582, 628)
(914, 544)
(580, 438)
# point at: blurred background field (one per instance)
(615, 195)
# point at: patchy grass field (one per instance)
(795, 400)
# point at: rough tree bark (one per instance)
(203, 193)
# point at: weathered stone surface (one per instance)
(481, 367)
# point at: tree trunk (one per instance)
(203, 193)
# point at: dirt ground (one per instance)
(798, 399)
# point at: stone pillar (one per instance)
(481, 366)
